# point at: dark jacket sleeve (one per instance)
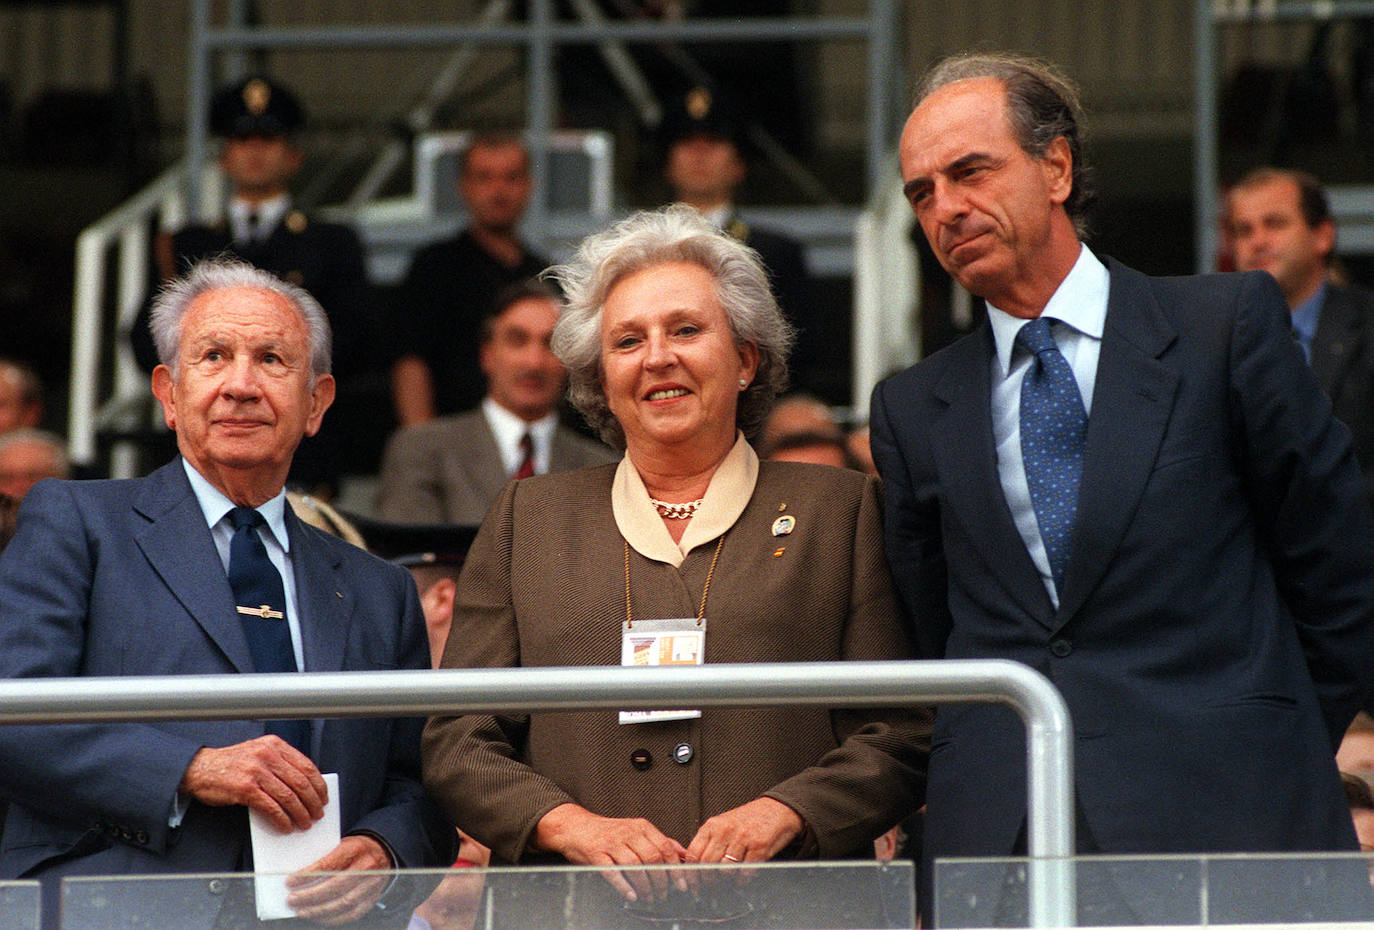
(1307, 494)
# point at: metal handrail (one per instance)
(1049, 731)
(126, 227)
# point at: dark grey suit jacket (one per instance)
(122, 578)
(449, 470)
(1216, 628)
(1343, 359)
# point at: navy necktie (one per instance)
(260, 598)
(1054, 426)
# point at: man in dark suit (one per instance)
(142, 577)
(451, 469)
(1279, 221)
(258, 120)
(1130, 484)
(452, 284)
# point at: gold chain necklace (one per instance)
(681, 511)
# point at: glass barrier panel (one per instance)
(19, 905)
(1316, 890)
(797, 896)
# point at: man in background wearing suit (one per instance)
(1280, 222)
(201, 568)
(451, 469)
(1130, 484)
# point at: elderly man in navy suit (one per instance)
(1131, 484)
(202, 568)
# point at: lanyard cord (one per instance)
(706, 589)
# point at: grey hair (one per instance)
(1042, 104)
(654, 237)
(220, 272)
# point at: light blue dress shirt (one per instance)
(1305, 317)
(1079, 307)
(216, 508)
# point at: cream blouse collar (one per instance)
(726, 497)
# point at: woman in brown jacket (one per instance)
(675, 350)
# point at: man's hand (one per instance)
(585, 838)
(753, 832)
(341, 898)
(266, 774)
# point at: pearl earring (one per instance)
(743, 384)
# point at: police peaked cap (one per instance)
(255, 106)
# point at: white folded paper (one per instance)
(276, 854)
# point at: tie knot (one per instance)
(1035, 337)
(241, 517)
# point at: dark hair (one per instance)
(1042, 105)
(491, 140)
(511, 294)
(810, 439)
(1358, 795)
(1312, 199)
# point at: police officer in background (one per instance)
(257, 120)
(704, 167)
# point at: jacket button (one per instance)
(642, 759)
(682, 753)
(141, 837)
(216, 886)
(1061, 647)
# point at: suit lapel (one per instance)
(1334, 343)
(323, 598)
(967, 463)
(174, 538)
(1132, 399)
(482, 462)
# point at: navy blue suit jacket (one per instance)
(122, 578)
(1343, 361)
(1215, 632)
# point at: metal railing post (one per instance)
(1049, 731)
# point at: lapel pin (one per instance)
(784, 525)
(777, 553)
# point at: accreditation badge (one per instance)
(661, 642)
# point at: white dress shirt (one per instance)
(507, 428)
(267, 215)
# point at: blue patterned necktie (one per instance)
(260, 598)
(1054, 426)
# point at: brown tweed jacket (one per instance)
(544, 585)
